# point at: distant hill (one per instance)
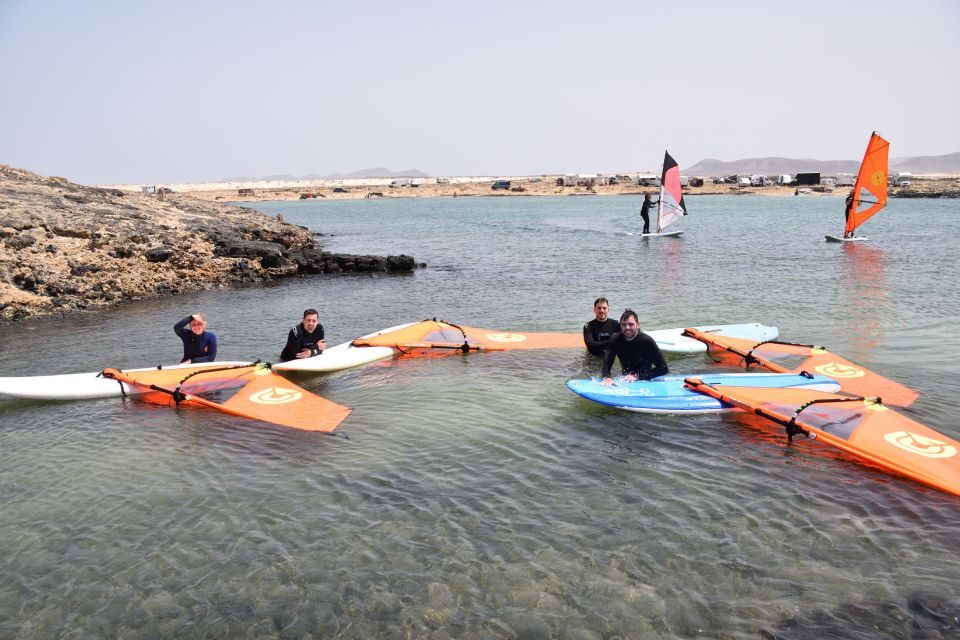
(378, 172)
(949, 163)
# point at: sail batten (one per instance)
(871, 181)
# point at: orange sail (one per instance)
(785, 357)
(251, 391)
(863, 427)
(437, 334)
(870, 189)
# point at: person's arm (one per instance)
(212, 342)
(657, 360)
(608, 359)
(180, 327)
(593, 346)
(291, 348)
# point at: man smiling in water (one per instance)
(306, 339)
(640, 357)
(598, 332)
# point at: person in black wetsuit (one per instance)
(199, 345)
(645, 211)
(306, 339)
(847, 208)
(601, 329)
(640, 357)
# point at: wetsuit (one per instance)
(196, 348)
(596, 334)
(299, 339)
(640, 356)
(846, 214)
(645, 214)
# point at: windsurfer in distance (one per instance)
(306, 339)
(640, 357)
(847, 209)
(645, 211)
(598, 332)
(199, 345)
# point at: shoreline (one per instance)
(947, 186)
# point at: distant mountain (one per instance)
(949, 163)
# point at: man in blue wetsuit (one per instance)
(199, 345)
(306, 339)
(640, 357)
(601, 329)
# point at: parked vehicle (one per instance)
(501, 184)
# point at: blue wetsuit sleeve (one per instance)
(212, 342)
(180, 327)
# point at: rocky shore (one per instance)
(66, 247)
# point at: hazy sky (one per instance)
(117, 92)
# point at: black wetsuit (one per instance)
(597, 334)
(640, 356)
(846, 213)
(300, 339)
(645, 214)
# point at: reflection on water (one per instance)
(867, 295)
(474, 495)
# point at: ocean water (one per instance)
(475, 496)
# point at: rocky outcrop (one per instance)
(65, 247)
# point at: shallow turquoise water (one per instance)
(475, 496)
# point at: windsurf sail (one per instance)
(870, 188)
(436, 334)
(251, 391)
(787, 357)
(863, 427)
(671, 208)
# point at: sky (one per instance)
(104, 92)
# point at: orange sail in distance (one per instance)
(786, 357)
(863, 427)
(437, 334)
(870, 188)
(251, 391)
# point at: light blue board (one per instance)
(667, 394)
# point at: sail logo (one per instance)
(506, 337)
(878, 178)
(275, 395)
(921, 445)
(837, 370)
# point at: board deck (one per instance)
(673, 340)
(841, 239)
(668, 394)
(662, 234)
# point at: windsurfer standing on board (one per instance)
(848, 208)
(306, 339)
(640, 357)
(645, 211)
(598, 332)
(198, 345)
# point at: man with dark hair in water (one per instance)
(640, 357)
(598, 332)
(306, 339)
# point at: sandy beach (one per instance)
(253, 191)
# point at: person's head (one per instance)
(198, 323)
(629, 324)
(647, 196)
(310, 319)
(601, 308)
